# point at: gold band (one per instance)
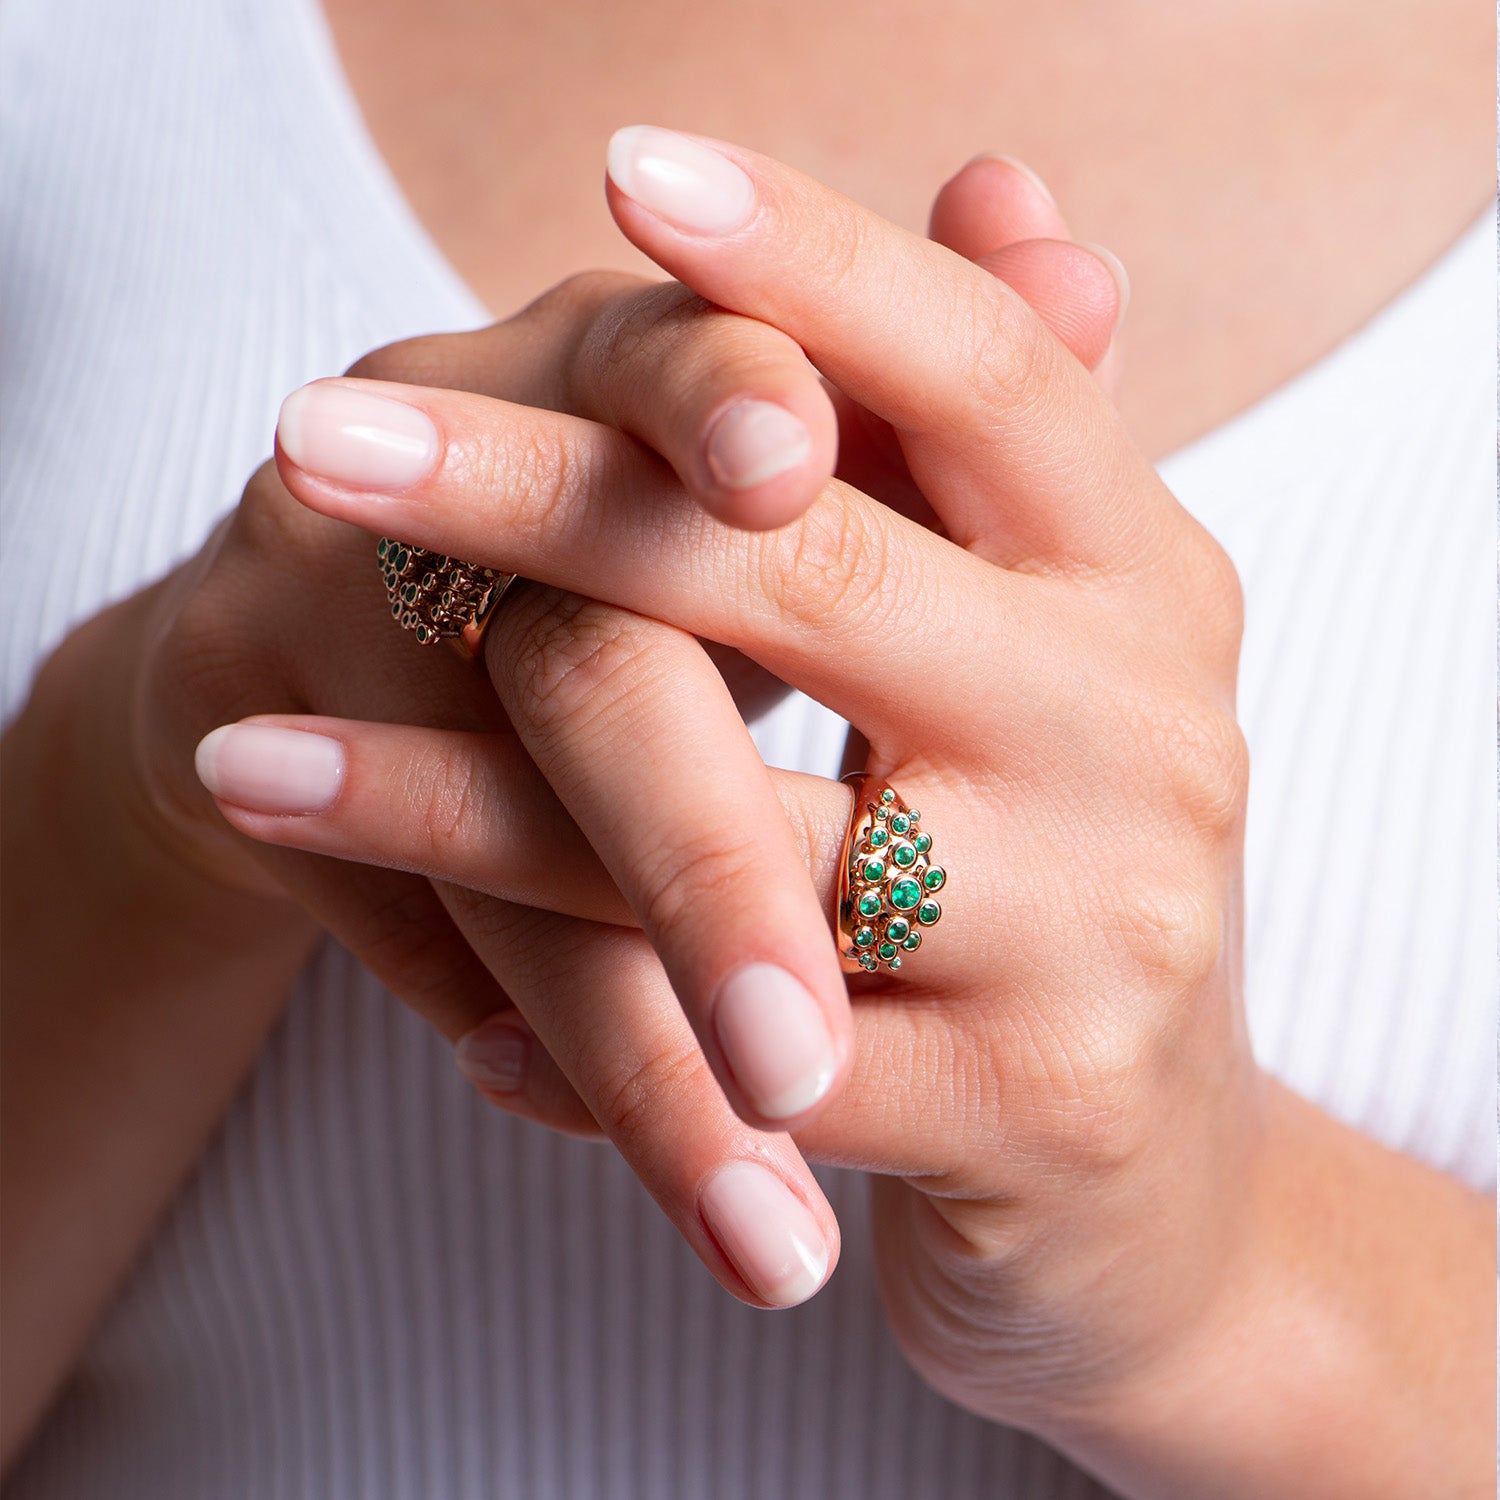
(440, 598)
(888, 883)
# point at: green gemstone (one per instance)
(865, 937)
(887, 951)
(867, 961)
(928, 912)
(879, 838)
(382, 547)
(913, 942)
(900, 823)
(869, 904)
(395, 609)
(409, 593)
(422, 634)
(935, 878)
(923, 842)
(882, 812)
(888, 796)
(428, 579)
(897, 928)
(914, 815)
(896, 962)
(873, 868)
(402, 558)
(905, 893)
(904, 855)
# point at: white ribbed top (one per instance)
(376, 1288)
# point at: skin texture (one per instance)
(1109, 1431)
(110, 1016)
(1092, 1205)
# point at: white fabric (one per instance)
(375, 1287)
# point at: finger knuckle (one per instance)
(687, 879)
(1205, 760)
(1171, 930)
(1009, 356)
(636, 1103)
(834, 571)
(1215, 592)
(577, 300)
(450, 804)
(572, 657)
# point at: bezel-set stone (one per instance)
(906, 892)
(929, 912)
(934, 878)
(879, 838)
(904, 855)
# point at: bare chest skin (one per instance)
(1271, 174)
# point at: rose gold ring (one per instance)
(440, 598)
(888, 883)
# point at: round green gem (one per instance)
(928, 912)
(905, 893)
(879, 838)
(382, 547)
(882, 812)
(873, 868)
(905, 855)
(887, 951)
(869, 904)
(888, 796)
(867, 961)
(923, 842)
(935, 877)
(897, 928)
(914, 815)
(900, 823)
(864, 937)
(422, 634)
(896, 962)
(912, 942)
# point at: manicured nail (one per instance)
(690, 185)
(767, 1231)
(775, 1039)
(493, 1055)
(754, 441)
(350, 436)
(270, 770)
(1023, 169)
(1116, 268)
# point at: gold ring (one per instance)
(440, 598)
(888, 883)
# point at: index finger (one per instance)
(1016, 447)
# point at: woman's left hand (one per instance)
(1057, 1088)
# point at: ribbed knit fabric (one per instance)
(375, 1288)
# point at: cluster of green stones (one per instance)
(893, 886)
(432, 595)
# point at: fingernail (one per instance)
(767, 1231)
(1023, 169)
(754, 441)
(775, 1039)
(493, 1055)
(1116, 268)
(270, 770)
(353, 437)
(691, 185)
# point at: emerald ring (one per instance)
(440, 598)
(888, 882)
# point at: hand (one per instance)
(1062, 1071)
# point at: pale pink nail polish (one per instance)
(271, 770)
(775, 1039)
(353, 437)
(688, 184)
(493, 1056)
(767, 1231)
(754, 441)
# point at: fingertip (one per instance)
(993, 201)
(763, 464)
